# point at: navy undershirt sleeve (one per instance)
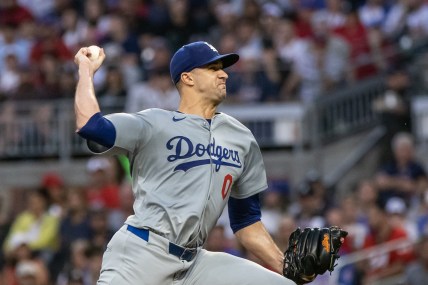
(244, 212)
(100, 130)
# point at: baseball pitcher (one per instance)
(186, 165)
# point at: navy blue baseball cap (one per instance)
(197, 54)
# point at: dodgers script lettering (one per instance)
(184, 148)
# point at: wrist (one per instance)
(276, 262)
(85, 70)
(279, 267)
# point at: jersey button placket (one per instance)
(206, 126)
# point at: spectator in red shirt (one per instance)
(49, 43)
(361, 54)
(302, 18)
(13, 14)
(382, 231)
(103, 192)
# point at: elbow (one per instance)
(98, 129)
(244, 212)
(80, 125)
(83, 115)
(81, 120)
(243, 232)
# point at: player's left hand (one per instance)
(311, 252)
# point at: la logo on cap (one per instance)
(211, 47)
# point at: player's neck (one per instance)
(206, 111)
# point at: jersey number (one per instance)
(227, 184)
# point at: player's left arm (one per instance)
(256, 239)
(245, 221)
(245, 213)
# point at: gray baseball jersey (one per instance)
(184, 169)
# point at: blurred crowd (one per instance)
(291, 50)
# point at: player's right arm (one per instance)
(117, 133)
(85, 102)
(90, 124)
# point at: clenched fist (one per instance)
(84, 58)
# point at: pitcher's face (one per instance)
(211, 81)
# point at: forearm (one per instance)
(85, 104)
(258, 241)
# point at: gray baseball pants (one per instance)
(130, 260)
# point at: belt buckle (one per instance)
(188, 251)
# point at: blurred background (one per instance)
(334, 91)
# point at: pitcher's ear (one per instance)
(187, 78)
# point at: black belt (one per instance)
(181, 252)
